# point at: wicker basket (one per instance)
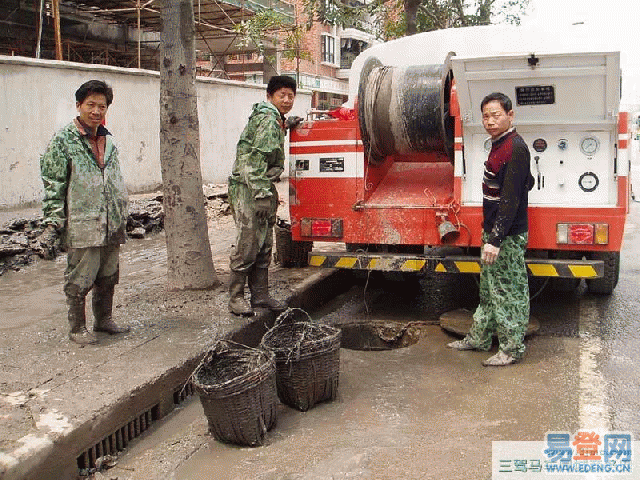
(237, 389)
(307, 362)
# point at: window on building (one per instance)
(328, 49)
(323, 101)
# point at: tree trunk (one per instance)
(484, 12)
(189, 260)
(410, 15)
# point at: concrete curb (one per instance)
(143, 397)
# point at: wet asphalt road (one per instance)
(426, 411)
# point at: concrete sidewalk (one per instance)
(63, 406)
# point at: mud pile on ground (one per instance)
(19, 244)
(216, 200)
(146, 216)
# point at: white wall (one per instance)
(37, 99)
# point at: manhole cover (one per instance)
(459, 322)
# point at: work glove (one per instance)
(274, 173)
(263, 207)
(49, 242)
(292, 122)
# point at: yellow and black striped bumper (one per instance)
(421, 264)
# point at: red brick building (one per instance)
(331, 49)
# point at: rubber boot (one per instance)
(259, 286)
(77, 321)
(102, 305)
(237, 304)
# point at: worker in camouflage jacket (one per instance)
(85, 210)
(253, 196)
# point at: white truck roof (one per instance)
(432, 48)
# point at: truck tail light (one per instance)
(602, 234)
(582, 233)
(321, 227)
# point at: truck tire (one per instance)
(290, 253)
(606, 284)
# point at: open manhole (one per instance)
(378, 335)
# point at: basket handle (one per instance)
(221, 345)
(288, 315)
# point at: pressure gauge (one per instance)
(589, 145)
(539, 145)
(563, 144)
(588, 181)
(487, 145)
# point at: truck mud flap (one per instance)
(423, 264)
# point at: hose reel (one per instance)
(405, 110)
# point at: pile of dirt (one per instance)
(19, 244)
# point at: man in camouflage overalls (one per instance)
(85, 206)
(504, 289)
(254, 199)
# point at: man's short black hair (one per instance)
(281, 81)
(504, 101)
(94, 86)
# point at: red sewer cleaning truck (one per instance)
(397, 179)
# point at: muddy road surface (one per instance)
(423, 411)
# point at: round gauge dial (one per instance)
(487, 145)
(588, 181)
(563, 144)
(589, 145)
(539, 145)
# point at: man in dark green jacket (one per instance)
(254, 198)
(85, 206)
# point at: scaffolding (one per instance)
(53, 29)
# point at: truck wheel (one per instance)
(606, 284)
(290, 253)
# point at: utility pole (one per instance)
(55, 7)
(39, 29)
(139, 33)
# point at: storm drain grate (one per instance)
(118, 440)
(183, 393)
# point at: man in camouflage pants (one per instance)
(85, 207)
(254, 199)
(504, 289)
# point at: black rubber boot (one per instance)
(259, 286)
(102, 305)
(78, 332)
(237, 304)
